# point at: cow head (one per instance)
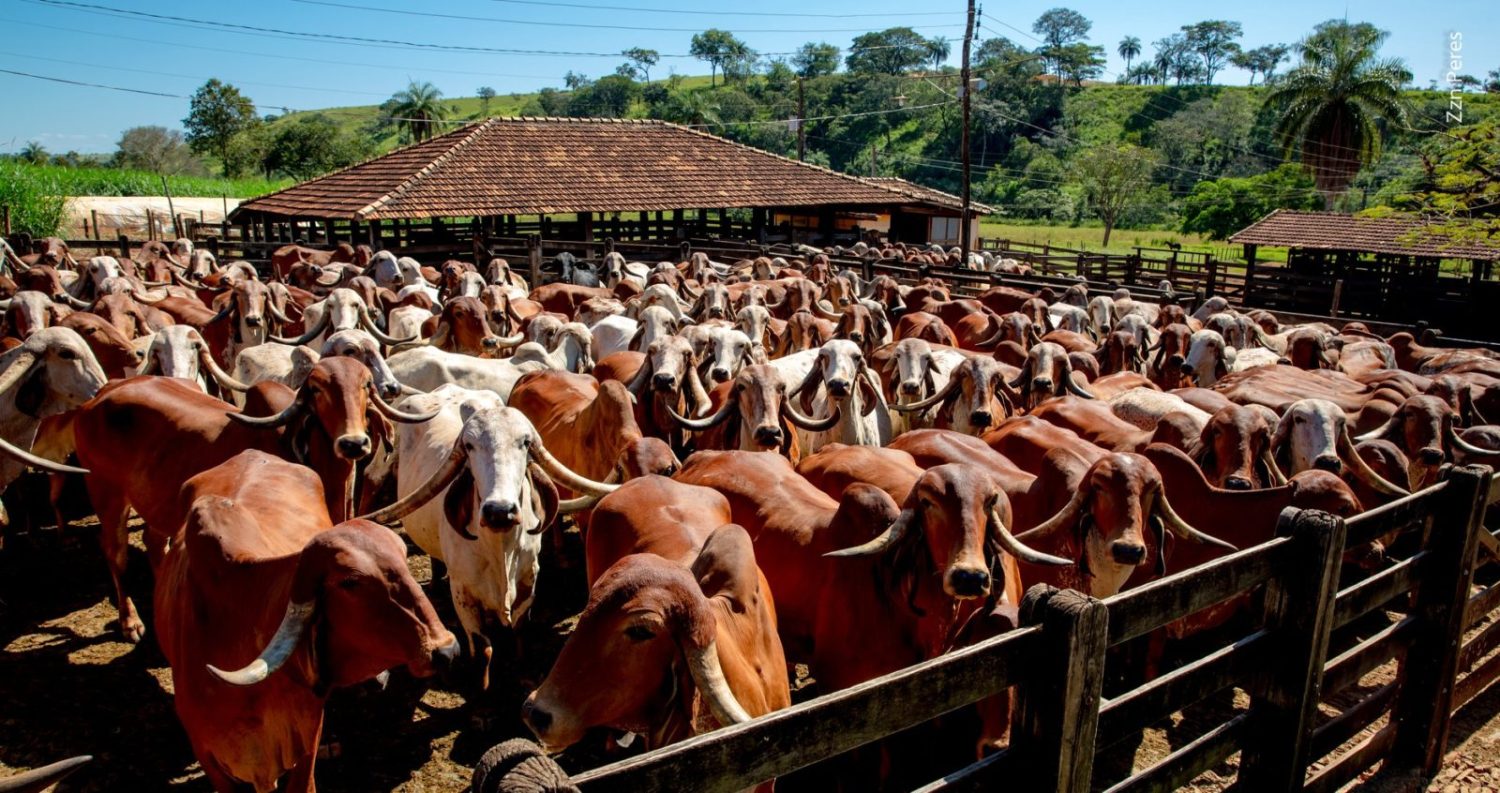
(29, 311)
(361, 346)
(859, 325)
(975, 399)
(464, 327)
(1233, 443)
(1046, 374)
(53, 371)
(712, 303)
(116, 355)
(753, 410)
(953, 525)
(1208, 358)
(1121, 352)
(652, 627)
(1104, 526)
(731, 351)
(341, 310)
(1314, 433)
(755, 322)
(910, 374)
(1310, 348)
(355, 600)
(1424, 429)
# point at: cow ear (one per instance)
(545, 492)
(1161, 545)
(33, 392)
(458, 504)
(725, 568)
(867, 390)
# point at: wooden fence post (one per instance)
(1057, 715)
(124, 247)
(534, 257)
(1424, 711)
(1212, 287)
(1299, 610)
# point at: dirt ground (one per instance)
(69, 686)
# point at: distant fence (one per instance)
(1297, 654)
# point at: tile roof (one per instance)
(1335, 231)
(927, 194)
(523, 166)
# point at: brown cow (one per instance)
(263, 583)
(464, 327)
(928, 327)
(752, 413)
(590, 426)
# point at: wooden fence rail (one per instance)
(1298, 653)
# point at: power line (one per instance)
(721, 13)
(654, 28)
(113, 67)
(92, 85)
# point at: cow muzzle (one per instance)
(911, 388)
(1127, 553)
(1329, 463)
(768, 437)
(719, 374)
(1236, 482)
(968, 582)
(839, 388)
(981, 418)
(664, 383)
(1432, 455)
(353, 447)
(499, 515)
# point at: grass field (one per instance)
(1091, 238)
(59, 180)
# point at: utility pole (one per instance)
(966, 222)
(801, 123)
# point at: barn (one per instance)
(1393, 269)
(584, 178)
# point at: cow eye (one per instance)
(639, 633)
(349, 583)
(67, 355)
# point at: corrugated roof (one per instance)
(524, 166)
(1335, 231)
(927, 194)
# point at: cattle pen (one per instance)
(1305, 647)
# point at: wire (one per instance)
(465, 17)
(91, 85)
(719, 13)
(113, 67)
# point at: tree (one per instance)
(310, 145)
(1110, 176)
(34, 152)
(1213, 41)
(1492, 85)
(1130, 49)
(1333, 104)
(1261, 60)
(1175, 59)
(574, 81)
(418, 110)
(720, 48)
(1220, 207)
(1466, 82)
(216, 113)
(890, 51)
(606, 97)
(938, 49)
(155, 149)
(1079, 62)
(816, 59)
(642, 60)
(1058, 28)
(1459, 193)
(485, 94)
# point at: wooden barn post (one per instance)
(1057, 715)
(1423, 714)
(534, 257)
(1298, 610)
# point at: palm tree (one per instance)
(1130, 48)
(418, 110)
(1333, 104)
(938, 49)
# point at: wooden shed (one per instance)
(1387, 268)
(575, 178)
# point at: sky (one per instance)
(358, 52)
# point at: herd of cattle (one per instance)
(772, 462)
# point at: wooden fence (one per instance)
(1311, 642)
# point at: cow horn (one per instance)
(72, 302)
(1024, 378)
(276, 312)
(144, 297)
(1074, 388)
(1277, 477)
(288, 635)
(40, 463)
(265, 422)
(1180, 527)
(1020, 550)
(695, 388)
(505, 341)
(313, 333)
(1064, 517)
(825, 313)
(223, 378)
(440, 479)
(564, 475)
(571, 505)
(380, 335)
(1464, 446)
(1387, 429)
(994, 338)
(1363, 470)
(699, 425)
(810, 424)
(892, 535)
(43, 778)
(929, 401)
(395, 414)
(708, 676)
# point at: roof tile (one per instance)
(1335, 231)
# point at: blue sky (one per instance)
(80, 41)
